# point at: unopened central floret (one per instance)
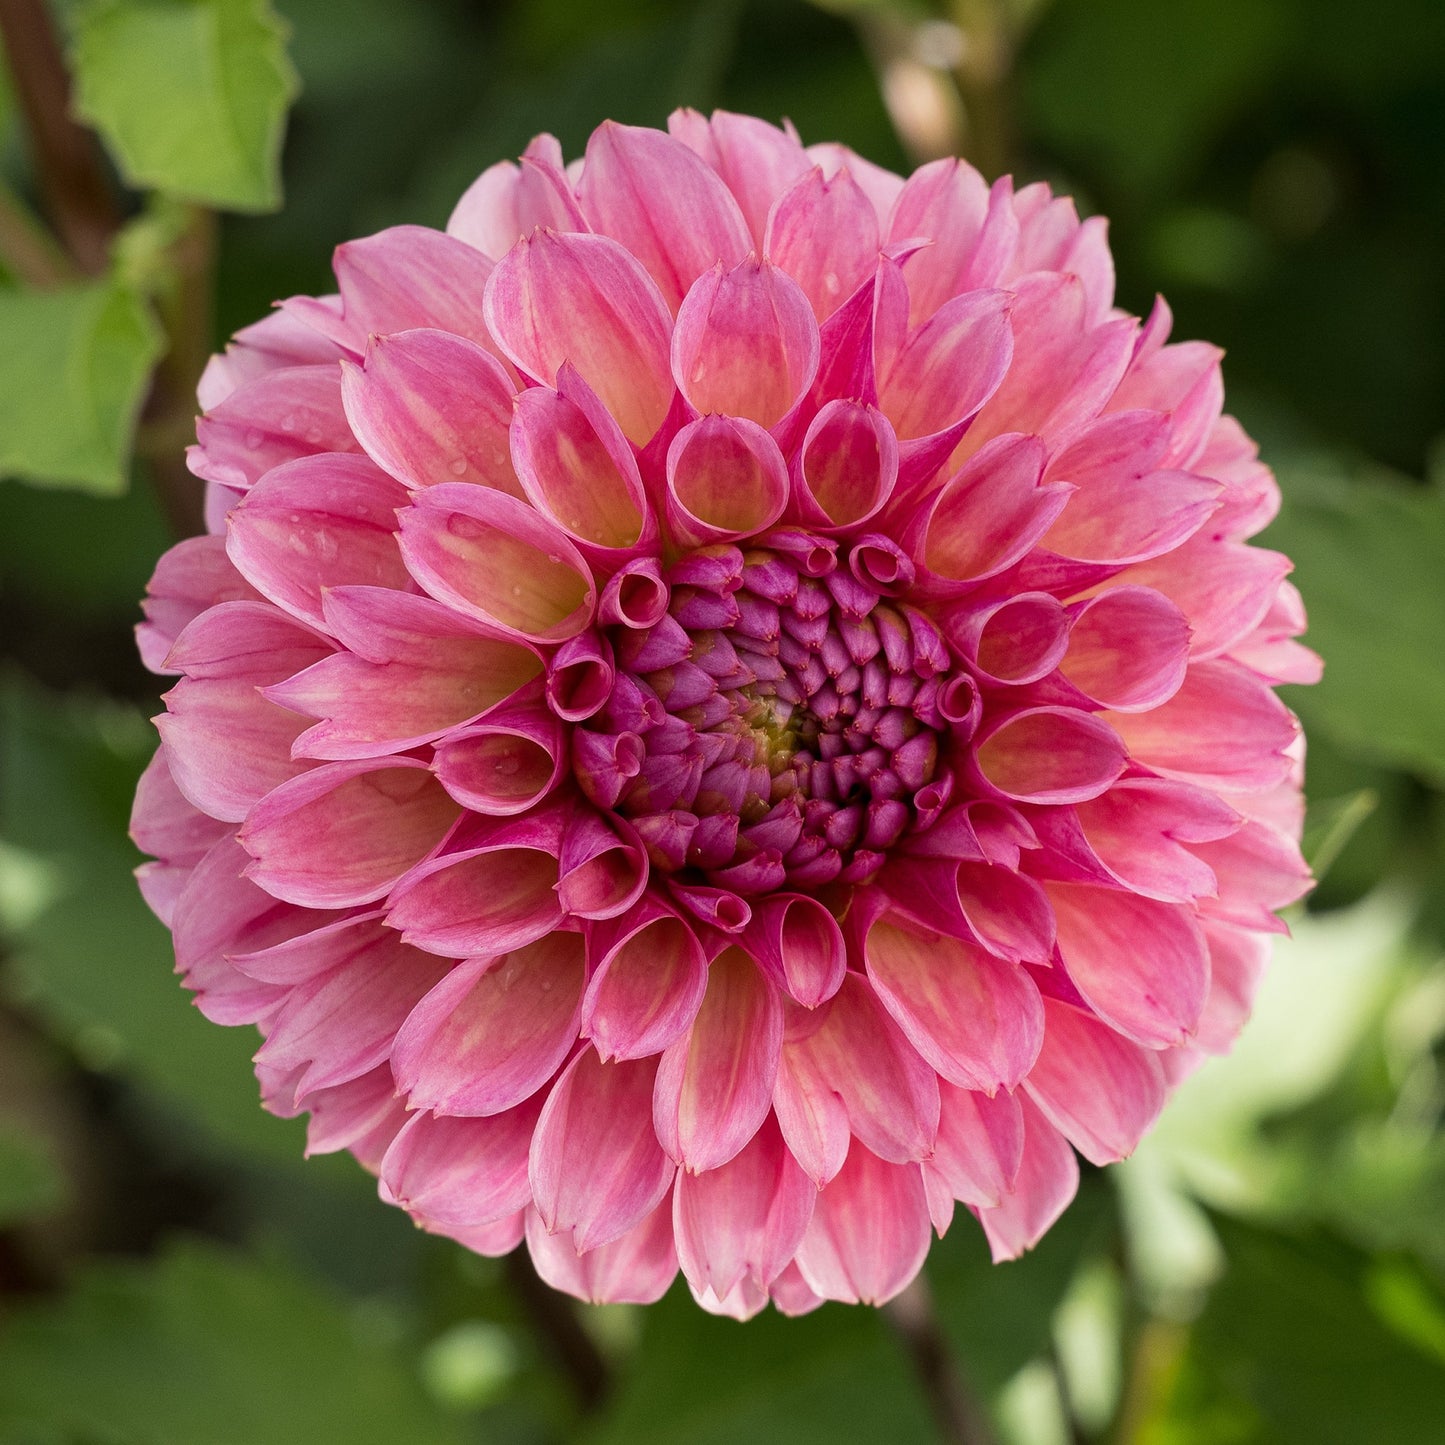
(777, 725)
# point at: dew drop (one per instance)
(288, 422)
(457, 466)
(313, 435)
(254, 439)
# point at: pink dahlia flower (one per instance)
(725, 710)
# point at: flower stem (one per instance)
(961, 1419)
(554, 1317)
(68, 164)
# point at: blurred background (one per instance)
(1269, 1267)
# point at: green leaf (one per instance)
(73, 373)
(190, 95)
(1368, 562)
(205, 1347)
(1298, 1346)
(837, 1374)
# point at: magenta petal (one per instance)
(602, 868)
(745, 1219)
(634, 1269)
(596, 1166)
(869, 1231)
(493, 1031)
(585, 300)
(846, 468)
(1011, 640)
(1098, 1089)
(980, 1145)
(649, 973)
(431, 407)
(344, 833)
(978, 1020)
(715, 1084)
(1141, 965)
(164, 824)
(505, 764)
(317, 523)
(494, 558)
(1047, 1181)
(507, 202)
(362, 1115)
(460, 1173)
(663, 203)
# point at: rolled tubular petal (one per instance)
(726, 478)
(846, 466)
(1128, 648)
(506, 764)
(1049, 755)
(798, 944)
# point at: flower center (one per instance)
(778, 726)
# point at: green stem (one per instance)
(27, 249)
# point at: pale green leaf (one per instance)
(73, 373)
(190, 95)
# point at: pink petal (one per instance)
(410, 277)
(941, 373)
(507, 202)
(317, 523)
(635, 1269)
(461, 1173)
(726, 478)
(757, 161)
(192, 576)
(824, 234)
(272, 342)
(976, 1019)
(576, 466)
(715, 1084)
(506, 764)
(1141, 965)
(164, 824)
(1128, 648)
(990, 514)
(846, 467)
(1259, 870)
(294, 412)
(432, 407)
(362, 1115)
(869, 1232)
(596, 1166)
(585, 300)
(797, 943)
(602, 869)
(493, 1031)
(494, 558)
(980, 1145)
(855, 1054)
(496, 892)
(745, 343)
(745, 1219)
(649, 975)
(344, 833)
(1048, 1179)
(1223, 729)
(341, 1023)
(1012, 640)
(1048, 755)
(663, 203)
(1099, 1090)
(1237, 960)
(879, 185)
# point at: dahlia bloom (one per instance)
(725, 709)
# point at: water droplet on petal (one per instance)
(254, 439)
(457, 466)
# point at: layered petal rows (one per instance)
(724, 711)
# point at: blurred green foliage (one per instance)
(1270, 1267)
